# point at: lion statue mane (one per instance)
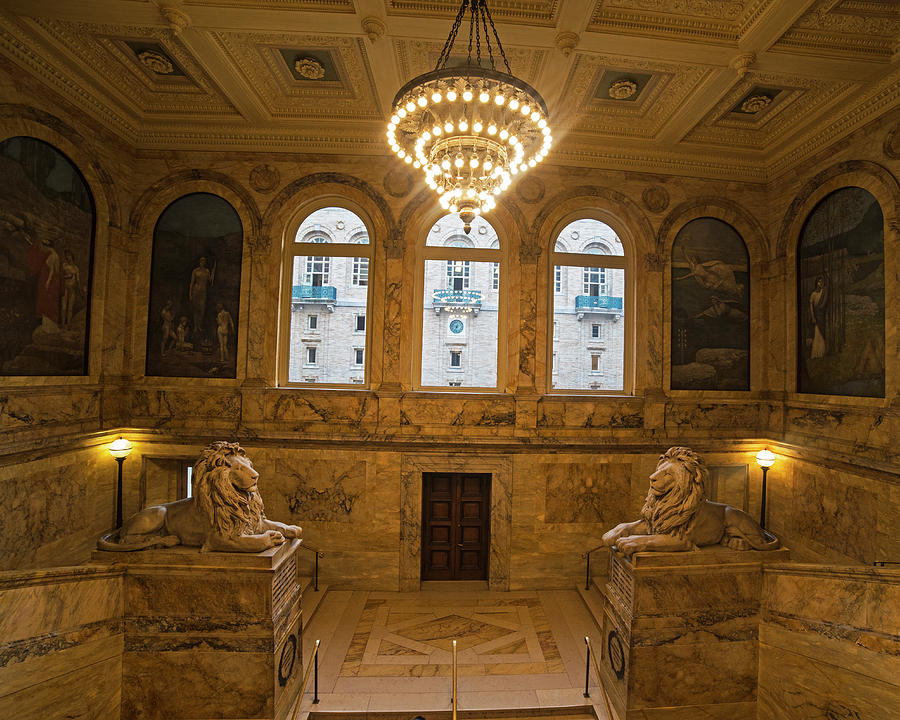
(677, 516)
(225, 513)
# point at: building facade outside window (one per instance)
(588, 340)
(461, 279)
(326, 299)
(360, 271)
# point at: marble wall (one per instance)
(828, 643)
(569, 466)
(61, 629)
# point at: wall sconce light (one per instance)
(119, 449)
(765, 459)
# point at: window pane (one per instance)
(459, 324)
(589, 329)
(589, 236)
(333, 225)
(449, 232)
(360, 271)
(327, 309)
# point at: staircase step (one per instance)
(580, 713)
(595, 602)
(311, 598)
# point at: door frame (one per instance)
(411, 468)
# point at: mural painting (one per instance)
(710, 308)
(841, 296)
(195, 289)
(47, 231)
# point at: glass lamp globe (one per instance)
(765, 458)
(120, 448)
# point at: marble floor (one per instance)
(391, 652)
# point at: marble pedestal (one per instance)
(210, 635)
(680, 633)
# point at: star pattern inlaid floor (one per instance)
(413, 638)
(391, 651)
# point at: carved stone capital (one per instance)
(373, 27)
(742, 64)
(566, 42)
(177, 18)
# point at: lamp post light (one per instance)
(119, 449)
(765, 459)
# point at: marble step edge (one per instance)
(594, 601)
(312, 599)
(585, 712)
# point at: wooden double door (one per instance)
(456, 510)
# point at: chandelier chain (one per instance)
(480, 20)
(451, 38)
(496, 37)
(471, 25)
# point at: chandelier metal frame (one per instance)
(470, 128)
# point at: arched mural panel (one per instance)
(840, 271)
(710, 308)
(195, 289)
(47, 221)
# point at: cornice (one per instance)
(884, 95)
(23, 55)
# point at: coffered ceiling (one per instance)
(721, 88)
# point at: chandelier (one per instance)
(472, 127)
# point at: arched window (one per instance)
(461, 306)
(840, 303)
(326, 300)
(588, 338)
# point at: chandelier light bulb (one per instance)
(526, 109)
(448, 127)
(451, 95)
(484, 97)
(492, 129)
(401, 112)
(499, 100)
(435, 97)
(513, 104)
(467, 94)
(477, 126)
(463, 125)
(422, 101)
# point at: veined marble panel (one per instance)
(839, 514)
(207, 408)
(60, 629)
(323, 490)
(300, 410)
(55, 509)
(582, 492)
(492, 416)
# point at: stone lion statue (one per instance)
(225, 513)
(677, 516)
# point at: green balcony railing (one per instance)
(598, 302)
(314, 292)
(456, 298)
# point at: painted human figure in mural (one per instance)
(71, 277)
(224, 330)
(713, 275)
(167, 316)
(201, 280)
(43, 262)
(818, 300)
(181, 335)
